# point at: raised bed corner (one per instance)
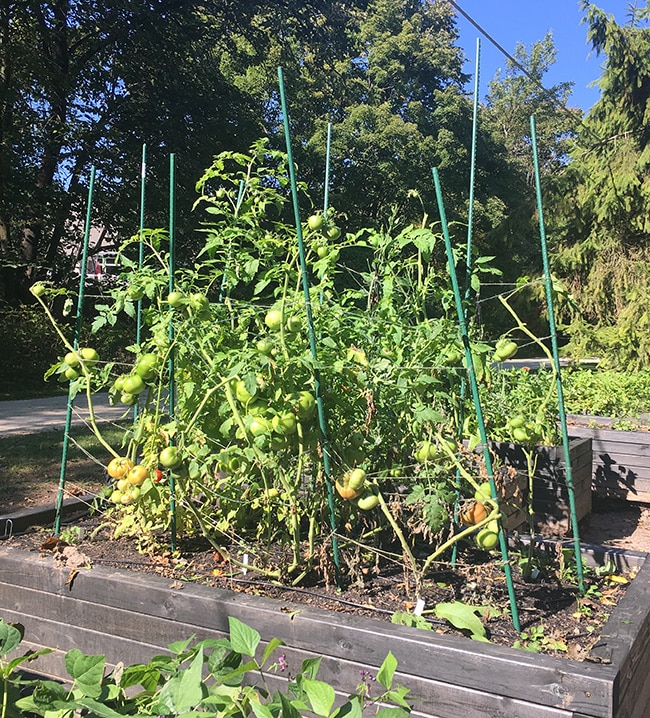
(621, 459)
(550, 493)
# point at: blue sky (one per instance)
(526, 21)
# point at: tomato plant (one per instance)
(247, 441)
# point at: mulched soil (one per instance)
(554, 617)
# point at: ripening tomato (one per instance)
(137, 475)
(346, 492)
(119, 467)
(473, 513)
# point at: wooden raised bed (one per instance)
(550, 494)
(620, 461)
(130, 617)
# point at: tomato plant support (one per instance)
(138, 319)
(556, 361)
(172, 352)
(468, 258)
(75, 344)
(322, 423)
(469, 360)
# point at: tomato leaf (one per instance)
(9, 637)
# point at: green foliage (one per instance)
(209, 676)
(599, 216)
(609, 393)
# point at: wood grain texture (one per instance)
(129, 616)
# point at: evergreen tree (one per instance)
(601, 219)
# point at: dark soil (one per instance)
(554, 617)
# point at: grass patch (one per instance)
(30, 465)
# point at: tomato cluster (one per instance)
(75, 361)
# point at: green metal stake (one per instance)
(138, 320)
(310, 329)
(172, 352)
(556, 362)
(475, 395)
(472, 174)
(326, 193)
(143, 175)
(468, 252)
(75, 344)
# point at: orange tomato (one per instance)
(137, 475)
(473, 513)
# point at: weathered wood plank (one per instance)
(549, 682)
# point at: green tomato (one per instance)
(486, 539)
(175, 299)
(273, 319)
(259, 426)
(293, 324)
(71, 373)
(368, 502)
(483, 492)
(135, 292)
(199, 303)
(334, 233)
(426, 451)
(517, 421)
(285, 424)
(170, 457)
(71, 359)
(133, 384)
(316, 222)
(505, 349)
(38, 289)
(356, 479)
(242, 393)
(147, 366)
(128, 399)
(89, 355)
(306, 405)
(520, 434)
(264, 346)
(118, 384)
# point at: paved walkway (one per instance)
(31, 415)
